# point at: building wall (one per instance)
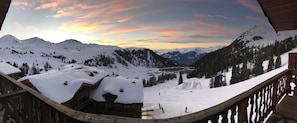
(127, 110)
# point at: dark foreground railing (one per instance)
(21, 104)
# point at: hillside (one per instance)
(255, 45)
(38, 53)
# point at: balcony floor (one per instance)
(286, 111)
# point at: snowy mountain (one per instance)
(37, 52)
(258, 43)
(262, 35)
(186, 56)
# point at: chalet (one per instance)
(88, 89)
(10, 70)
(118, 96)
(70, 85)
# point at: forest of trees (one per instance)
(158, 80)
(245, 61)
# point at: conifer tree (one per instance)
(235, 74)
(278, 62)
(47, 66)
(258, 67)
(270, 64)
(244, 72)
(180, 80)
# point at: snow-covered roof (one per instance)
(8, 69)
(51, 83)
(128, 90)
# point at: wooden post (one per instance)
(274, 95)
(242, 111)
(292, 61)
(288, 81)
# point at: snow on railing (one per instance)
(19, 103)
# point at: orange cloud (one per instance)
(130, 29)
(250, 5)
(168, 32)
(194, 31)
(91, 15)
(47, 6)
(83, 26)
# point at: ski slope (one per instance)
(178, 100)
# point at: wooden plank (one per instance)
(15, 93)
(287, 108)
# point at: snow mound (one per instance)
(128, 91)
(189, 85)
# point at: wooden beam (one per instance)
(12, 94)
(4, 6)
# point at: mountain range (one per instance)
(36, 50)
(188, 56)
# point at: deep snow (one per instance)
(176, 98)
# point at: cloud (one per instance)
(257, 20)
(22, 5)
(83, 26)
(129, 29)
(27, 28)
(226, 18)
(91, 15)
(166, 32)
(196, 31)
(203, 16)
(47, 6)
(208, 17)
(249, 4)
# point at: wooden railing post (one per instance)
(242, 111)
(288, 81)
(274, 94)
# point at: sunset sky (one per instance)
(154, 24)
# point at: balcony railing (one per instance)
(21, 104)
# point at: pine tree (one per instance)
(180, 80)
(47, 66)
(278, 62)
(270, 64)
(258, 67)
(245, 73)
(235, 74)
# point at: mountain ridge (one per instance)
(187, 56)
(36, 51)
(257, 44)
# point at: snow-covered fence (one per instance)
(19, 103)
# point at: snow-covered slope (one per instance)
(178, 100)
(37, 51)
(259, 42)
(263, 35)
